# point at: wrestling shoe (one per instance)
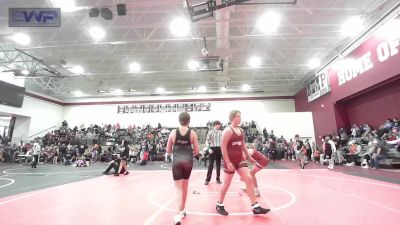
(221, 209)
(257, 209)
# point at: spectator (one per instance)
(36, 153)
(308, 150)
(329, 149)
(354, 149)
(380, 153)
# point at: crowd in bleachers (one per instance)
(361, 145)
(367, 146)
(95, 143)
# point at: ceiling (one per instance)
(310, 28)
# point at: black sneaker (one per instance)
(206, 182)
(126, 173)
(219, 182)
(116, 174)
(221, 210)
(105, 173)
(260, 210)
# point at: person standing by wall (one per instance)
(329, 150)
(36, 153)
(300, 151)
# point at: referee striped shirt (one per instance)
(214, 138)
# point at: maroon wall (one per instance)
(376, 106)
(372, 107)
(365, 85)
(322, 109)
(372, 62)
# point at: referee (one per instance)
(213, 141)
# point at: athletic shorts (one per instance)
(181, 169)
(328, 154)
(236, 165)
(261, 160)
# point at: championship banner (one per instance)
(318, 86)
(164, 108)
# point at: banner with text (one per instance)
(377, 59)
(164, 108)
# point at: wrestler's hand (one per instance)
(230, 167)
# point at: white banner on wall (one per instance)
(164, 108)
(318, 86)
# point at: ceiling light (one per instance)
(352, 27)
(25, 72)
(255, 62)
(118, 92)
(202, 88)
(134, 67)
(78, 70)
(77, 93)
(160, 90)
(97, 33)
(132, 90)
(65, 5)
(269, 22)
(245, 87)
(193, 65)
(179, 27)
(101, 91)
(390, 29)
(21, 38)
(314, 63)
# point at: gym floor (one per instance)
(55, 194)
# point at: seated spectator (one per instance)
(55, 155)
(372, 147)
(316, 155)
(133, 155)
(380, 154)
(144, 158)
(353, 151)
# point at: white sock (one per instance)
(255, 205)
(220, 204)
(177, 218)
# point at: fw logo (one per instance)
(32, 17)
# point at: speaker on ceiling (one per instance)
(106, 13)
(94, 12)
(121, 9)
